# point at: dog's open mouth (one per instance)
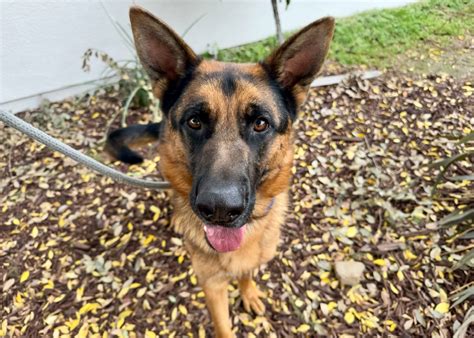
(224, 239)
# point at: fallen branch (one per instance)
(335, 79)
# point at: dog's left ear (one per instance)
(297, 62)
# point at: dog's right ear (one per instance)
(163, 54)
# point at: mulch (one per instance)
(83, 255)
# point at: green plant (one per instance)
(376, 37)
(463, 218)
(133, 82)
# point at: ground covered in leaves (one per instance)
(80, 254)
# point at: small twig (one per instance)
(459, 250)
(417, 233)
(346, 138)
(123, 122)
(9, 162)
(465, 286)
(277, 22)
(459, 235)
(367, 144)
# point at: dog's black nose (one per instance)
(220, 204)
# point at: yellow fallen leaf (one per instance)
(351, 232)
(400, 275)
(83, 331)
(299, 303)
(443, 297)
(73, 323)
(442, 307)
(409, 255)
(79, 293)
(201, 332)
(311, 294)
(135, 285)
(349, 317)
(379, 262)
(123, 291)
(350, 154)
(148, 240)
(24, 276)
(59, 298)
(150, 334)
(156, 212)
(34, 232)
(174, 314)
(3, 328)
(391, 325)
(332, 306)
(303, 328)
(88, 307)
(51, 319)
(193, 279)
(122, 316)
(183, 310)
(393, 288)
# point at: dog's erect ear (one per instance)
(296, 63)
(163, 54)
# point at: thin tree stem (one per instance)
(277, 22)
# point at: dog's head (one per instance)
(227, 134)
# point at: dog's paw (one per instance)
(251, 298)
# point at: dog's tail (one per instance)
(119, 141)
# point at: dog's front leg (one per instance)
(251, 295)
(217, 301)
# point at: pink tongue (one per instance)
(224, 239)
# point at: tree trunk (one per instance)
(277, 22)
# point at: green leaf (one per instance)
(450, 160)
(462, 178)
(468, 235)
(443, 165)
(467, 138)
(461, 296)
(466, 260)
(127, 105)
(457, 217)
(143, 97)
(468, 320)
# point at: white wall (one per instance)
(41, 42)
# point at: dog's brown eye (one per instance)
(194, 123)
(260, 125)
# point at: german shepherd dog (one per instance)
(225, 144)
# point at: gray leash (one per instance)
(40, 136)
